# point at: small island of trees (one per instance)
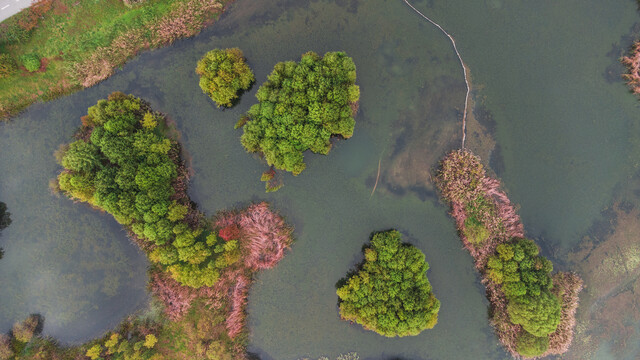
(390, 293)
(301, 106)
(223, 75)
(532, 311)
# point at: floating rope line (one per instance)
(464, 69)
(377, 178)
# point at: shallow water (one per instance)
(544, 77)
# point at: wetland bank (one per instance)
(412, 92)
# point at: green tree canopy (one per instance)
(538, 315)
(223, 74)
(526, 282)
(521, 271)
(390, 294)
(301, 106)
(530, 346)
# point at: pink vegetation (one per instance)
(461, 180)
(176, 298)
(632, 62)
(266, 234)
(235, 320)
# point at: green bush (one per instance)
(520, 270)
(301, 106)
(31, 62)
(223, 74)
(390, 294)
(475, 232)
(538, 315)
(529, 346)
(7, 66)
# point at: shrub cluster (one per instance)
(390, 294)
(132, 346)
(25, 330)
(7, 66)
(301, 106)
(31, 62)
(223, 74)
(127, 166)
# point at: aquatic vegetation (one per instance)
(390, 293)
(5, 216)
(610, 285)
(347, 356)
(567, 287)
(632, 62)
(532, 312)
(223, 74)
(301, 106)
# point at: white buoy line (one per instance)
(464, 69)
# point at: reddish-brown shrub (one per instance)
(230, 232)
(33, 14)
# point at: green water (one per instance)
(564, 130)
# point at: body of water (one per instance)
(546, 88)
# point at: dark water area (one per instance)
(544, 82)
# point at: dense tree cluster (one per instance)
(301, 106)
(390, 294)
(127, 167)
(223, 74)
(526, 283)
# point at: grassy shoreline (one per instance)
(82, 43)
